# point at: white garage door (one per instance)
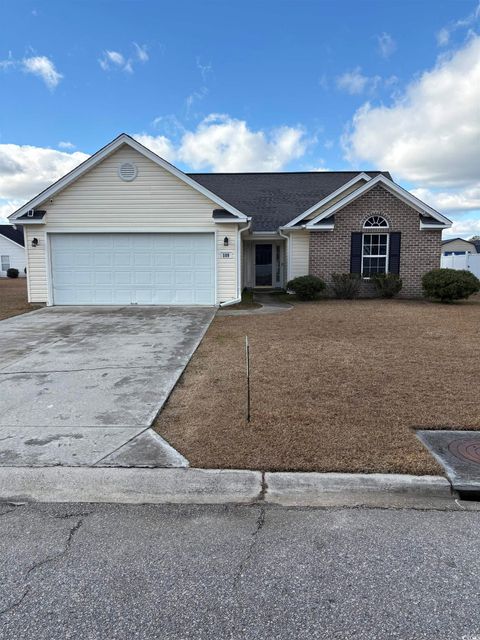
(133, 268)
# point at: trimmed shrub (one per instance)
(306, 287)
(12, 273)
(387, 284)
(346, 285)
(448, 285)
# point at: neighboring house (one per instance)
(458, 247)
(127, 227)
(12, 250)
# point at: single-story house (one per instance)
(127, 227)
(12, 250)
(459, 247)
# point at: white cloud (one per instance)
(44, 68)
(160, 145)
(223, 143)
(194, 97)
(110, 58)
(116, 60)
(430, 133)
(445, 33)
(141, 51)
(65, 144)
(452, 200)
(7, 207)
(464, 227)
(355, 82)
(27, 170)
(40, 66)
(386, 45)
(443, 37)
(115, 57)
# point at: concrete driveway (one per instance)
(82, 385)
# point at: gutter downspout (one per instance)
(287, 238)
(239, 263)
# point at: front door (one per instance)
(263, 265)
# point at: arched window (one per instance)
(375, 222)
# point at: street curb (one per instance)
(222, 486)
(356, 489)
(128, 485)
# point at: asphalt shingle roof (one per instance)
(10, 232)
(274, 199)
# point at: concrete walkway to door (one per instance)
(82, 385)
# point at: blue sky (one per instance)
(233, 86)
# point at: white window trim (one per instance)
(375, 256)
(387, 226)
(5, 260)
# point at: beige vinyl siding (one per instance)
(329, 204)
(299, 253)
(459, 245)
(36, 264)
(226, 267)
(155, 201)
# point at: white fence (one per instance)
(468, 261)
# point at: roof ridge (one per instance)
(276, 173)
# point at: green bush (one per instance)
(447, 285)
(387, 284)
(306, 287)
(12, 273)
(346, 285)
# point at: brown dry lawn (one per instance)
(336, 386)
(13, 297)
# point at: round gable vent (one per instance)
(127, 171)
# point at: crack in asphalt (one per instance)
(66, 548)
(248, 556)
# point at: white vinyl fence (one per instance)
(468, 261)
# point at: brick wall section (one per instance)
(420, 249)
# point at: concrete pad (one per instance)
(351, 489)
(110, 368)
(50, 446)
(92, 398)
(148, 449)
(91, 367)
(458, 452)
(156, 486)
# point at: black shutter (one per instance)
(394, 253)
(356, 253)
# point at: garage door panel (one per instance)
(183, 259)
(142, 259)
(122, 259)
(103, 278)
(122, 278)
(133, 268)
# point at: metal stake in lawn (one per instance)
(247, 363)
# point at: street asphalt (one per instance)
(239, 572)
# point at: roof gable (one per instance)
(421, 207)
(104, 152)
